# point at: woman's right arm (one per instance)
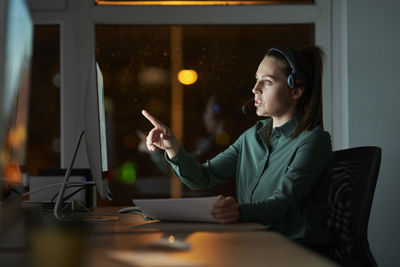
(215, 171)
(219, 169)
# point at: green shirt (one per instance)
(280, 182)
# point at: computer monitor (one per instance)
(95, 129)
(96, 145)
(16, 41)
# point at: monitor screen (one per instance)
(15, 62)
(102, 120)
(95, 129)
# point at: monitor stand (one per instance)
(76, 216)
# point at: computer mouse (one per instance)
(127, 210)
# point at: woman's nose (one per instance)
(255, 89)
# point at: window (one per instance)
(43, 150)
(140, 65)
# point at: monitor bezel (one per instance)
(96, 150)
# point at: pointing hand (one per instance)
(161, 136)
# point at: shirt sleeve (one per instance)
(312, 157)
(158, 159)
(197, 176)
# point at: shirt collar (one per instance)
(286, 129)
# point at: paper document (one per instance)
(178, 209)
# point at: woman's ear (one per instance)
(298, 92)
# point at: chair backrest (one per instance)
(351, 192)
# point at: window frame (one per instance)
(199, 2)
(77, 36)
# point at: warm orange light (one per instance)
(17, 136)
(4, 157)
(187, 77)
(13, 174)
(188, 3)
(171, 239)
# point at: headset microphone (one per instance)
(245, 109)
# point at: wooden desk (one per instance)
(131, 242)
(113, 244)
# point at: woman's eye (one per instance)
(267, 82)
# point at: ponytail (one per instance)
(309, 107)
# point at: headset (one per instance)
(297, 78)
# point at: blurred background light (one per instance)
(126, 173)
(187, 77)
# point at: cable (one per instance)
(82, 205)
(68, 186)
(57, 184)
(73, 193)
(16, 191)
(67, 205)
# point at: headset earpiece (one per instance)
(296, 78)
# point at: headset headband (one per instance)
(296, 78)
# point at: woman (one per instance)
(282, 164)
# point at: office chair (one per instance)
(351, 191)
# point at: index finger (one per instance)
(153, 120)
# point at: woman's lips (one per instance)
(257, 102)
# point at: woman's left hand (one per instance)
(226, 210)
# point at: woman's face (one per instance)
(272, 95)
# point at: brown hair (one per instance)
(309, 106)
